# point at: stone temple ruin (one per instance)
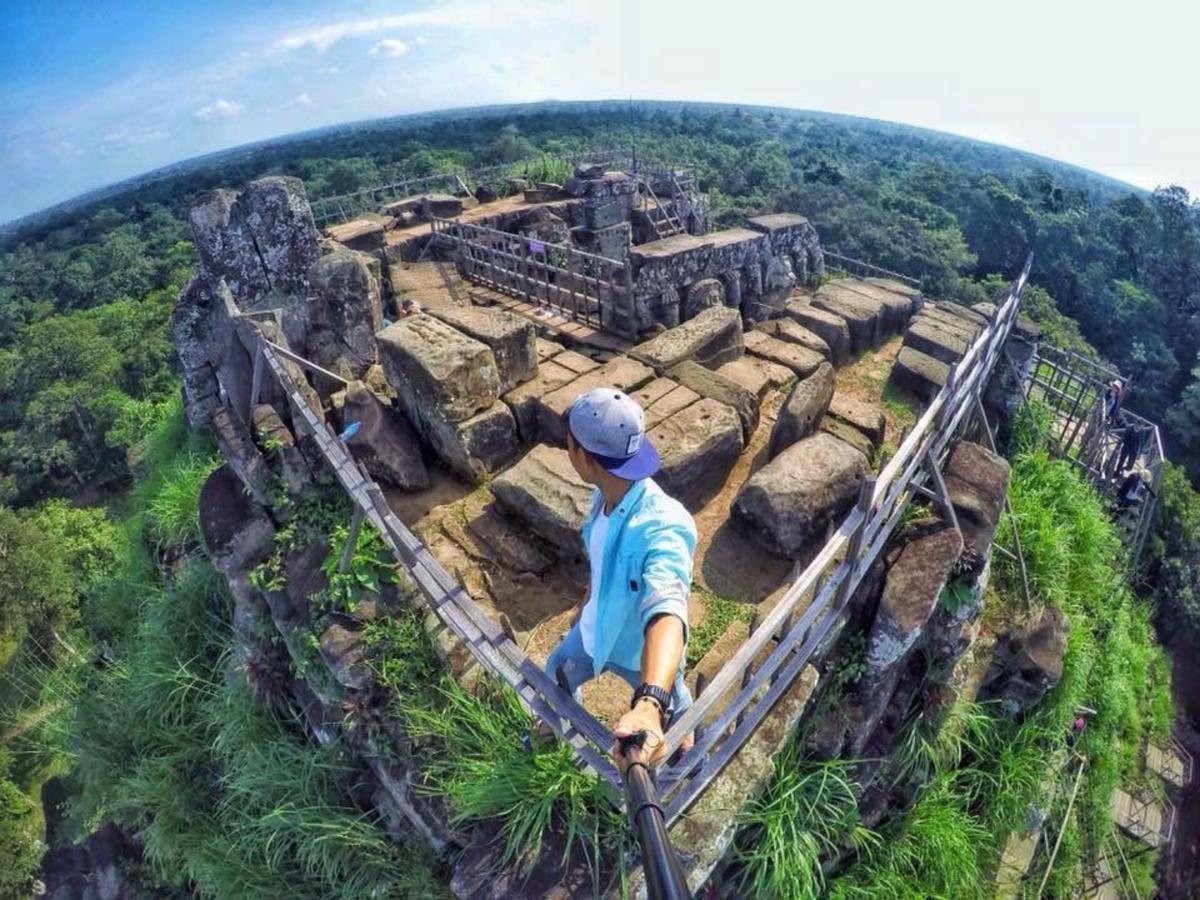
(424, 353)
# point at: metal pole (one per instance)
(665, 879)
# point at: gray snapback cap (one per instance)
(611, 426)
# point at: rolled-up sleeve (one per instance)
(667, 572)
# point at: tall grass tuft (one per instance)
(808, 812)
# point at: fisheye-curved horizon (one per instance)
(94, 98)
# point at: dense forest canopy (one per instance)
(83, 306)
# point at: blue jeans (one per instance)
(576, 665)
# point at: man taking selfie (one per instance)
(639, 544)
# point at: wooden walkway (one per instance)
(1142, 818)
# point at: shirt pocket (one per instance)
(629, 570)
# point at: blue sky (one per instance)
(94, 92)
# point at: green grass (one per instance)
(235, 800)
(981, 769)
(808, 813)
(469, 742)
(719, 613)
(898, 405)
(173, 513)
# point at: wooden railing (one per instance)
(489, 643)
(861, 269)
(790, 633)
(583, 286)
(341, 207)
(796, 630)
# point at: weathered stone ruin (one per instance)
(443, 363)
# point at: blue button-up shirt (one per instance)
(646, 571)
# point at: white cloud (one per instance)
(322, 37)
(223, 109)
(329, 70)
(303, 99)
(420, 40)
(389, 47)
(129, 137)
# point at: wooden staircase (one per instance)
(662, 218)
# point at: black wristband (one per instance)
(658, 695)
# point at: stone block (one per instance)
(698, 447)
(915, 298)
(828, 326)
(547, 349)
(662, 398)
(722, 388)
(803, 410)
(277, 215)
(478, 447)
(400, 207)
(863, 315)
(237, 532)
(510, 337)
(622, 373)
(385, 443)
(897, 307)
(361, 234)
(866, 417)
(942, 344)
(963, 312)
(224, 245)
(523, 400)
(1028, 662)
(848, 434)
(947, 321)
(543, 493)
(759, 376)
(792, 332)
(712, 338)
(799, 359)
(976, 480)
(347, 309)
(576, 362)
(603, 212)
(444, 206)
(438, 370)
(612, 241)
(788, 504)
(918, 374)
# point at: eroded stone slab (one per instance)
(662, 398)
(510, 337)
(712, 338)
(919, 374)
(977, 480)
(543, 492)
(698, 447)
(759, 376)
(863, 315)
(789, 502)
(942, 344)
(436, 369)
(866, 417)
(721, 388)
(621, 372)
(385, 443)
(801, 413)
(523, 399)
(802, 361)
(828, 326)
(793, 332)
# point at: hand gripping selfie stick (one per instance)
(664, 876)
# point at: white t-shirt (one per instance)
(587, 619)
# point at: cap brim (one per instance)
(642, 464)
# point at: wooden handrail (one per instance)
(873, 521)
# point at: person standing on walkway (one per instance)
(640, 544)
(1131, 447)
